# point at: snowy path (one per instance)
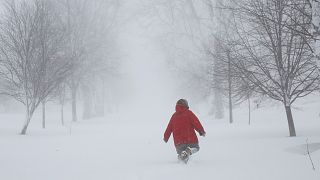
(122, 149)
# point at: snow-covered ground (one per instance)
(129, 146)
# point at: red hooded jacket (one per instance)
(182, 124)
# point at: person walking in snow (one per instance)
(183, 124)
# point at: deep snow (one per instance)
(129, 146)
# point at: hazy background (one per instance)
(87, 88)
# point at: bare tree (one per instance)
(198, 35)
(51, 34)
(227, 79)
(271, 54)
(31, 65)
(61, 96)
(89, 24)
(231, 82)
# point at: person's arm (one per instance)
(196, 124)
(168, 131)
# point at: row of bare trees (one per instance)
(50, 47)
(254, 47)
(271, 49)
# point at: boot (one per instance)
(184, 156)
(188, 151)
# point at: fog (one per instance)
(145, 67)
(159, 89)
(150, 83)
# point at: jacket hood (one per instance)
(180, 108)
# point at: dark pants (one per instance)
(182, 147)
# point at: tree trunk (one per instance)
(229, 88)
(27, 121)
(74, 102)
(43, 114)
(102, 101)
(62, 95)
(230, 107)
(24, 129)
(87, 102)
(217, 104)
(62, 116)
(292, 130)
(249, 107)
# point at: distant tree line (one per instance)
(254, 48)
(50, 49)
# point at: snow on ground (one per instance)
(129, 146)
